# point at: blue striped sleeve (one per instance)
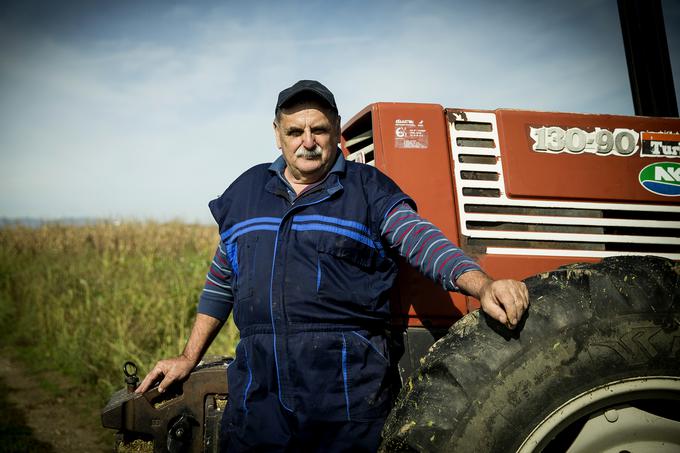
(425, 247)
(217, 298)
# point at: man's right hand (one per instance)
(177, 368)
(171, 370)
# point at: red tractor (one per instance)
(586, 209)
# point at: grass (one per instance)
(84, 299)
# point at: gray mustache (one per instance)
(308, 153)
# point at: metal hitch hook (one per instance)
(131, 379)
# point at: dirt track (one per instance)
(47, 413)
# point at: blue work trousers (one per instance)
(318, 391)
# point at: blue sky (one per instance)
(149, 109)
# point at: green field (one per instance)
(84, 299)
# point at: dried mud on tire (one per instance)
(483, 387)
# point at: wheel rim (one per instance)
(614, 417)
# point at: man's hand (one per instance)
(171, 370)
(177, 368)
(503, 300)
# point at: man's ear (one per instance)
(276, 135)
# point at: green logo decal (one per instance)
(662, 178)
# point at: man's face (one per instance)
(308, 138)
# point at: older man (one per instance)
(306, 260)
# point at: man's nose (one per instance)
(308, 139)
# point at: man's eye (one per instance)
(319, 131)
(294, 133)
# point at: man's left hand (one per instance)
(504, 300)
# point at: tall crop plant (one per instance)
(84, 299)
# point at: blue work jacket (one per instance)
(311, 279)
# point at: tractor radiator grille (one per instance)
(492, 223)
(359, 141)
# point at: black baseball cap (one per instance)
(310, 86)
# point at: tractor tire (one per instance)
(593, 366)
